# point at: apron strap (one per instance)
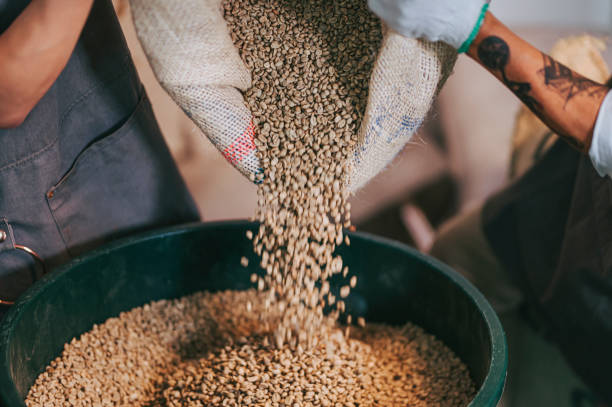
(7, 243)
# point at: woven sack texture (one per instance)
(190, 50)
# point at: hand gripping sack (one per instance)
(407, 75)
(190, 50)
(194, 59)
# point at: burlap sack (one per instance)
(194, 59)
(407, 75)
(190, 50)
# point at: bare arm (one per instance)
(34, 50)
(566, 101)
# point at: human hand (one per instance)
(194, 60)
(456, 22)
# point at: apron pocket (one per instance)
(123, 183)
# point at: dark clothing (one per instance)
(552, 230)
(89, 163)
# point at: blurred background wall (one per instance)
(569, 13)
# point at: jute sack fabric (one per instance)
(190, 50)
(407, 75)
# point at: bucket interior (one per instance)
(396, 284)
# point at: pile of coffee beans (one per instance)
(212, 350)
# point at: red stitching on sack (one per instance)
(242, 146)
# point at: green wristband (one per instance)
(466, 45)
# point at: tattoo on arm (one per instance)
(567, 83)
(494, 53)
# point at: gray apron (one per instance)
(89, 163)
(552, 230)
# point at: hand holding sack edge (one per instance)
(191, 52)
(192, 55)
(406, 78)
(452, 21)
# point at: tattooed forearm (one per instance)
(567, 83)
(565, 101)
(494, 54)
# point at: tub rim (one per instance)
(491, 388)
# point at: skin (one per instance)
(34, 50)
(567, 102)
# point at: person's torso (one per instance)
(98, 88)
(89, 163)
(552, 230)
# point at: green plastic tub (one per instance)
(396, 284)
